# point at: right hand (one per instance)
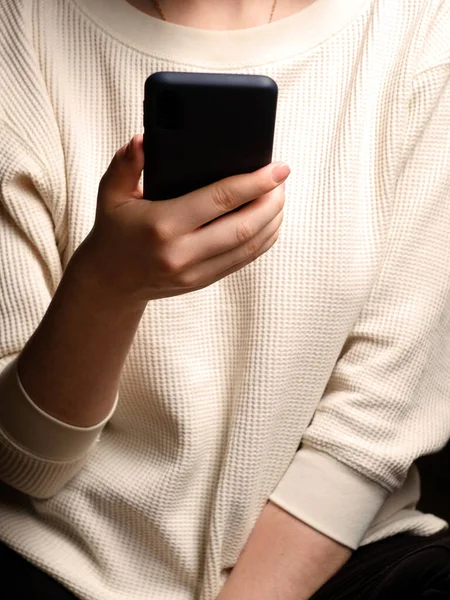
(147, 250)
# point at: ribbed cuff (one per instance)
(329, 496)
(34, 430)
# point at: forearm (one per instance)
(72, 364)
(284, 559)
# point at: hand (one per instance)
(148, 250)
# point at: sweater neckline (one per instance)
(218, 50)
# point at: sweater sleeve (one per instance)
(387, 400)
(38, 454)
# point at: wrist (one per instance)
(94, 276)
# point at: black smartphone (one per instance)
(202, 127)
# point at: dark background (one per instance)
(435, 476)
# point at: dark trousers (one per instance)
(402, 566)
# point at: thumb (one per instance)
(121, 179)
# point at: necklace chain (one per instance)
(163, 17)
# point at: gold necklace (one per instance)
(161, 14)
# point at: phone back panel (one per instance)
(202, 127)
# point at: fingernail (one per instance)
(280, 171)
(128, 149)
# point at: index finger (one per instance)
(212, 201)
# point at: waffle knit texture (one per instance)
(313, 377)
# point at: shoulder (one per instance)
(24, 99)
(417, 31)
(21, 20)
(432, 21)
(27, 115)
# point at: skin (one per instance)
(138, 251)
(221, 14)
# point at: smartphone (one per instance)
(202, 127)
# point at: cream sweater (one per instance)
(338, 337)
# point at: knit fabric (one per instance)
(338, 338)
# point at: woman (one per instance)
(162, 361)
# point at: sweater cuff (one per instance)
(329, 496)
(32, 429)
